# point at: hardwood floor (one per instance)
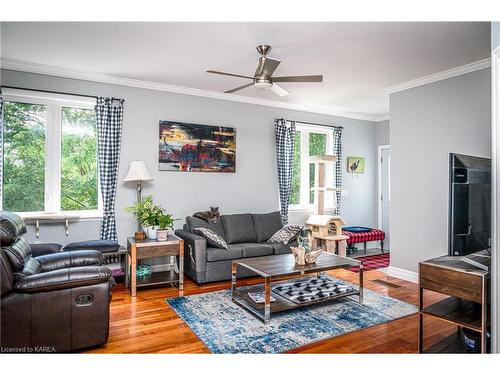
(146, 324)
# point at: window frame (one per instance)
(52, 195)
(304, 189)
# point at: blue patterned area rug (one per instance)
(225, 327)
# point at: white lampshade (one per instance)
(138, 172)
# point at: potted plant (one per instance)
(165, 221)
(151, 217)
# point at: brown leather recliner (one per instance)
(51, 303)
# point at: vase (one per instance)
(162, 235)
(303, 257)
(151, 232)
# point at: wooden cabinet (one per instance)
(465, 281)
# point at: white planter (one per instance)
(151, 232)
(162, 235)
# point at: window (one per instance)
(50, 155)
(310, 141)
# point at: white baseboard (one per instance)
(403, 274)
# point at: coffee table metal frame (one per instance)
(263, 311)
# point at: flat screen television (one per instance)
(469, 204)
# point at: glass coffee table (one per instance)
(278, 266)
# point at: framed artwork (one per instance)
(188, 147)
(355, 164)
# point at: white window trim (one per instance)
(54, 102)
(304, 167)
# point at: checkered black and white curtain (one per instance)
(285, 142)
(1, 148)
(109, 115)
(337, 150)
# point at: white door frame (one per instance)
(495, 200)
(379, 181)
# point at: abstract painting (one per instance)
(196, 148)
(355, 164)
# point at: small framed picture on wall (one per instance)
(355, 164)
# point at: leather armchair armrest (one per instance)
(70, 259)
(63, 279)
(195, 249)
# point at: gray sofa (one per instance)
(246, 236)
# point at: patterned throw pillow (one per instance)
(285, 235)
(213, 239)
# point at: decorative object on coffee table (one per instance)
(138, 172)
(303, 257)
(304, 239)
(304, 254)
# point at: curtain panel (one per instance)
(337, 150)
(1, 149)
(109, 115)
(285, 143)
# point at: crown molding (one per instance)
(382, 118)
(454, 72)
(56, 71)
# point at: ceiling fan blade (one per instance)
(228, 74)
(266, 66)
(238, 88)
(278, 90)
(316, 78)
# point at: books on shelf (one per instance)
(259, 297)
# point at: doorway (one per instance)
(384, 192)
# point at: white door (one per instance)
(385, 194)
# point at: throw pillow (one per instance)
(285, 235)
(213, 239)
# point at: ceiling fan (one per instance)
(263, 77)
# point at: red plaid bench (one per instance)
(357, 237)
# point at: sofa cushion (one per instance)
(286, 234)
(266, 225)
(104, 246)
(250, 250)
(214, 254)
(239, 228)
(213, 239)
(38, 249)
(280, 248)
(194, 222)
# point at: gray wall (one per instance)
(495, 35)
(383, 133)
(253, 188)
(427, 123)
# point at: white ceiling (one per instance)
(358, 60)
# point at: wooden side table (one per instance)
(465, 284)
(145, 249)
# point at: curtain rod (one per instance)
(57, 92)
(311, 123)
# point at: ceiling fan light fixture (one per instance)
(263, 85)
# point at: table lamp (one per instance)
(138, 172)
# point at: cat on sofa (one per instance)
(209, 216)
